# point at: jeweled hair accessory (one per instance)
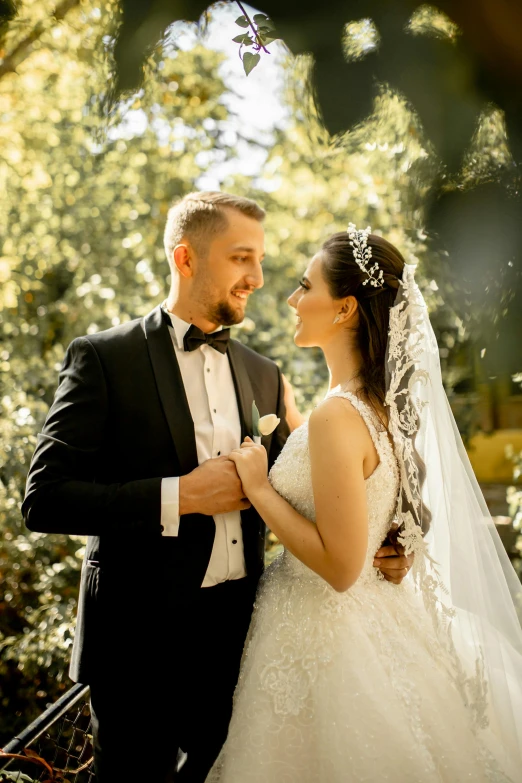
(363, 254)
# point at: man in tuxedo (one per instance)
(133, 454)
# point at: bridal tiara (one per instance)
(363, 254)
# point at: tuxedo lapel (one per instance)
(243, 387)
(171, 390)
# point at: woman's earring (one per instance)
(337, 319)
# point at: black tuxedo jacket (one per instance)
(119, 423)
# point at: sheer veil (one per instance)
(461, 568)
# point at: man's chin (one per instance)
(227, 314)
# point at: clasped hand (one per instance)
(252, 467)
(251, 463)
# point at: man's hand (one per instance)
(212, 488)
(392, 562)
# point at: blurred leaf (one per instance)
(82, 212)
(250, 61)
(243, 39)
(263, 21)
(242, 21)
(7, 10)
(266, 39)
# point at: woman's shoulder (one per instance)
(334, 414)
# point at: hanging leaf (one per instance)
(242, 21)
(263, 30)
(267, 40)
(266, 37)
(262, 20)
(250, 61)
(243, 39)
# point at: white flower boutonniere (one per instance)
(263, 425)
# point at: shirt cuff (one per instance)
(170, 506)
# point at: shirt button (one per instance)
(234, 540)
(215, 411)
(219, 453)
(208, 369)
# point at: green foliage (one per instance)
(83, 206)
(250, 61)
(263, 33)
(82, 216)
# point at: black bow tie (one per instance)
(195, 337)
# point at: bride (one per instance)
(347, 677)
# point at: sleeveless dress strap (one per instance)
(375, 427)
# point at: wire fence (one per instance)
(56, 747)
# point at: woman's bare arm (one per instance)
(335, 547)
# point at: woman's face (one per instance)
(315, 308)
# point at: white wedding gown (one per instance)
(355, 686)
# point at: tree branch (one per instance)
(256, 34)
(22, 50)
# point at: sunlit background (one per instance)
(86, 180)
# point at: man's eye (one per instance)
(240, 258)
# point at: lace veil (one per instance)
(461, 568)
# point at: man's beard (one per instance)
(224, 314)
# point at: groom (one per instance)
(133, 454)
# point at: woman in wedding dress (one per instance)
(345, 676)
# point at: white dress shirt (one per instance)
(211, 396)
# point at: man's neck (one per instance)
(189, 313)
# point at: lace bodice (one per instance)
(291, 478)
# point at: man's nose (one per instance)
(255, 277)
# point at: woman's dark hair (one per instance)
(344, 278)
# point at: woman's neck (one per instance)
(344, 364)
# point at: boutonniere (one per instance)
(263, 425)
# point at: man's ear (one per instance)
(183, 260)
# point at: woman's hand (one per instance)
(251, 463)
(294, 418)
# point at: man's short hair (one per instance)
(201, 216)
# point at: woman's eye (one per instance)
(303, 285)
(240, 258)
